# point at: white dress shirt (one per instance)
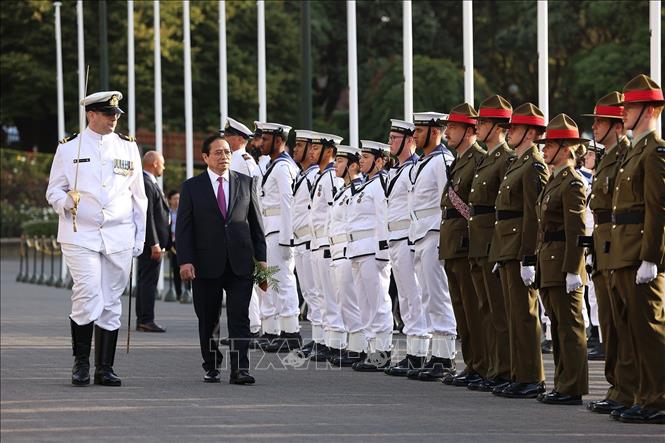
(225, 185)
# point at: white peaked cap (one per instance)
(372, 146)
(239, 127)
(305, 134)
(426, 118)
(273, 127)
(347, 150)
(401, 126)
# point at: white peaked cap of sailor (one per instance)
(305, 134)
(336, 139)
(239, 127)
(427, 117)
(401, 125)
(273, 127)
(99, 97)
(347, 150)
(372, 146)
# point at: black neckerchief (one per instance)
(280, 158)
(303, 178)
(409, 162)
(380, 175)
(423, 161)
(328, 168)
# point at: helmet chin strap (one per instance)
(403, 144)
(466, 128)
(489, 133)
(639, 117)
(526, 129)
(557, 152)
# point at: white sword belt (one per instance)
(360, 235)
(424, 213)
(271, 212)
(337, 239)
(399, 225)
(302, 232)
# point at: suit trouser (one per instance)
(333, 323)
(347, 296)
(493, 310)
(207, 299)
(99, 281)
(280, 305)
(372, 278)
(526, 358)
(146, 288)
(569, 349)
(309, 290)
(641, 308)
(467, 314)
(620, 369)
(175, 273)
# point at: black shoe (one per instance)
(542, 395)
(643, 416)
(334, 355)
(558, 398)
(264, 340)
(596, 353)
(226, 341)
(375, 362)
(105, 342)
(488, 385)
(286, 342)
(307, 348)
(81, 344)
(348, 359)
(241, 377)
(464, 380)
(546, 346)
(150, 327)
(616, 413)
(440, 368)
(603, 406)
(212, 376)
(520, 390)
(254, 338)
(402, 368)
(319, 353)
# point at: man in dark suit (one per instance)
(218, 236)
(157, 239)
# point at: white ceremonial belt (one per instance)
(359, 235)
(320, 233)
(424, 213)
(399, 225)
(337, 239)
(270, 212)
(302, 232)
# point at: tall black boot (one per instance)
(105, 342)
(81, 344)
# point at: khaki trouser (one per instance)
(620, 368)
(467, 313)
(571, 372)
(641, 308)
(493, 309)
(526, 359)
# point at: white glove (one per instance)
(573, 282)
(646, 272)
(528, 274)
(495, 269)
(589, 260)
(136, 250)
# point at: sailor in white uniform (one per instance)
(428, 178)
(101, 232)
(280, 305)
(367, 248)
(403, 148)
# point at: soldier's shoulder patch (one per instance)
(127, 138)
(246, 157)
(539, 166)
(577, 183)
(67, 139)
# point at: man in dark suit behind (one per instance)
(157, 239)
(218, 236)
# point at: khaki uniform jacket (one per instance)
(516, 238)
(600, 202)
(560, 208)
(640, 189)
(484, 190)
(454, 235)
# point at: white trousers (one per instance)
(372, 279)
(347, 295)
(333, 323)
(309, 290)
(408, 289)
(280, 307)
(434, 286)
(99, 281)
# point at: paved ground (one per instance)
(163, 397)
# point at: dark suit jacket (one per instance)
(157, 220)
(207, 240)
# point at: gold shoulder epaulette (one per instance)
(128, 138)
(66, 139)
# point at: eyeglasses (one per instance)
(219, 154)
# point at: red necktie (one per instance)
(221, 198)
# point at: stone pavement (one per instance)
(164, 399)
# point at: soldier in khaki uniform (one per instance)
(514, 246)
(560, 208)
(484, 189)
(620, 370)
(637, 255)
(454, 245)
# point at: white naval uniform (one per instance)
(322, 194)
(243, 163)
(111, 220)
(279, 308)
(346, 295)
(367, 248)
(302, 236)
(402, 257)
(428, 179)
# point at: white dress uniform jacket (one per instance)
(367, 220)
(302, 230)
(399, 220)
(111, 214)
(277, 198)
(244, 163)
(322, 194)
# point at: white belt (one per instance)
(359, 235)
(320, 233)
(337, 239)
(270, 212)
(399, 225)
(302, 232)
(424, 213)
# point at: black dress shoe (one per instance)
(402, 368)
(562, 399)
(212, 376)
(264, 340)
(254, 338)
(150, 327)
(334, 355)
(225, 341)
(604, 406)
(286, 342)
(542, 395)
(643, 416)
(616, 413)
(546, 346)
(307, 348)
(520, 390)
(348, 359)
(319, 353)
(596, 353)
(376, 362)
(241, 377)
(440, 368)
(464, 380)
(488, 385)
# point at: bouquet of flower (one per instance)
(265, 277)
